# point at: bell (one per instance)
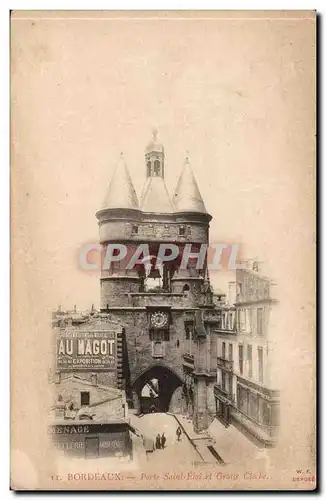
(155, 273)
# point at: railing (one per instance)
(223, 329)
(226, 364)
(221, 393)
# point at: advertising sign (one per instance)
(86, 350)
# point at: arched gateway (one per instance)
(166, 328)
(156, 390)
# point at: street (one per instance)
(180, 453)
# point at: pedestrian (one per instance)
(163, 440)
(158, 442)
(179, 431)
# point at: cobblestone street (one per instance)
(181, 453)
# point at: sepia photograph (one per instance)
(163, 250)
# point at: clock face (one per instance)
(159, 319)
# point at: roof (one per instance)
(187, 197)
(121, 192)
(65, 377)
(155, 197)
(89, 422)
(154, 146)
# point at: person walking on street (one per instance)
(163, 440)
(158, 442)
(179, 432)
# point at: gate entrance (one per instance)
(155, 388)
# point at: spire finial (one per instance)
(187, 157)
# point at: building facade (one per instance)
(244, 391)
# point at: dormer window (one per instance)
(182, 231)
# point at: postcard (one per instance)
(163, 250)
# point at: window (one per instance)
(260, 321)
(149, 168)
(230, 352)
(223, 350)
(157, 168)
(249, 358)
(260, 365)
(134, 229)
(253, 409)
(242, 317)
(84, 399)
(223, 380)
(249, 321)
(187, 332)
(265, 413)
(243, 396)
(230, 384)
(241, 359)
(182, 231)
(158, 349)
(159, 335)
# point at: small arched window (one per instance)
(157, 167)
(186, 290)
(149, 166)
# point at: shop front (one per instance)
(90, 439)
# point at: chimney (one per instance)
(94, 379)
(57, 377)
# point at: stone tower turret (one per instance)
(117, 219)
(159, 302)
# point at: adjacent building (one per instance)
(245, 393)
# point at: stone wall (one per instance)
(139, 346)
(177, 403)
(153, 231)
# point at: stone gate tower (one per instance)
(164, 309)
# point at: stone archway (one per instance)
(157, 388)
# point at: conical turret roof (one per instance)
(187, 197)
(121, 192)
(155, 197)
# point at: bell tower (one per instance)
(160, 302)
(154, 156)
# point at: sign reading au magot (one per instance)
(86, 350)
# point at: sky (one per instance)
(229, 93)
